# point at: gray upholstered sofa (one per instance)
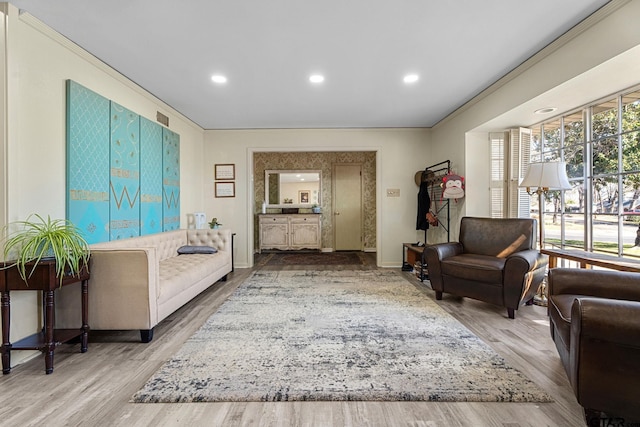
(136, 283)
(495, 261)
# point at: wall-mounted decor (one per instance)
(88, 121)
(225, 172)
(123, 170)
(225, 189)
(151, 184)
(124, 180)
(170, 180)
(303, 196)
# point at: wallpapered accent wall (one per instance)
(322, 161)
(123, 171)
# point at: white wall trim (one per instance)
(4, 118)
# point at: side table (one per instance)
(411, 253)
(43, 279)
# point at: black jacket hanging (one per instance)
(424, 203)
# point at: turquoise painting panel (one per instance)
(150, 177)
(87, 169)
(124, 170)
(170, 180)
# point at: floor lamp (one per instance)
(539, 179)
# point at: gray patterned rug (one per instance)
(335, 335)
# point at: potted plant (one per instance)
(315, 208)
(214, 223)
(37, 239)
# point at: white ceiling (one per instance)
(268, 49)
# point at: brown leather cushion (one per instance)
(481, 268)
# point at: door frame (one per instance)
(250, 200)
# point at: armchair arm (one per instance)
(605, 348)
(529, 259)
(597, 283)
(523, 272)
(607, 320)
(443, 250)
(433, 255)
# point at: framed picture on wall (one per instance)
(225, 172)
(303, 196)
(225, 189)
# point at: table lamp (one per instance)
(542, 177)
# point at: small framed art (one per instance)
(225, 189)
(225, 172)
(303, 196)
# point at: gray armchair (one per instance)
(494, 261)
(595, 323)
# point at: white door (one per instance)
(347, 206)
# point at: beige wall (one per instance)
(39, 62)
(399, 153)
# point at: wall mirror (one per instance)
(292, 188)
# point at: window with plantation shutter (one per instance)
(498, 164)
(520, 156)
(510, 156)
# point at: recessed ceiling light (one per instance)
(546, 110)
(316, 78)
(411, 78)
(219, 78)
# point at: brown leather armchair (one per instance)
(494, 261)
(595, 323)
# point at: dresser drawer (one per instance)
(274, 220)
(298, 219)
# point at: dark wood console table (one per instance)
(43, 279)
(589, 259)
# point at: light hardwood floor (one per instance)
(93, 389)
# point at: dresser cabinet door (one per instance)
(274, 232)
(305, 232)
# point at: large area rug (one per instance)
(335, 335)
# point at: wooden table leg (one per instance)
(49, 321)
(6, 344)
(84, 340)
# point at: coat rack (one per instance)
(440, 204)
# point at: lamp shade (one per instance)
(547, 175)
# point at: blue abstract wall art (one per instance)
(123, 170)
